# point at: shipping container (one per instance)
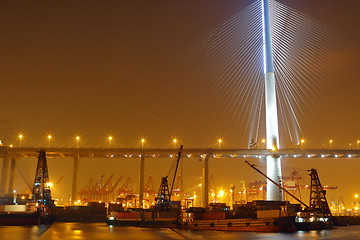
(213, 215)
(268, 213)
(14, 208)
(127, 215)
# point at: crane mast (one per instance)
(163, 199)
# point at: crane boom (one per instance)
(278, 185)
(177, 165)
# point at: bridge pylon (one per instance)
(273, 164)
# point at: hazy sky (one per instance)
(115, 67)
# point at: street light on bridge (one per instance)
(20, 138)
(219, 142)
(174, 142)
(330, 142)
(77, 141)
(49, 138)
(142, 142)
(302, 143)
(358, 142)
(110, 140)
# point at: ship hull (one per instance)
(308, 226)
(19, 219)
(243, 225)
(149, 223)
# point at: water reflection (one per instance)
(102, 231)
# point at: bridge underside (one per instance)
(18, 154)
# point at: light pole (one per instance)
(142, 142)
(219, 142)
(49, 138)
(356, 205)
(330, 142)
(302, 143)
(263, 141)
(20, 138)
(174, 142)
(358, 142)
(77, 141)
(110, 140)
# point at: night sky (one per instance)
(117, 68)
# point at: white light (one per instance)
(322, 155)
(263, 27)
(336, 155)
(349, 155)
(309, 156)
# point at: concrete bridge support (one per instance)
(75, 178)
(141, 180)
(206, 180)
(272, 132)
(12, 176)
(4, 174)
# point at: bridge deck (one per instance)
(168, 152)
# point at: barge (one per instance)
(256, 216)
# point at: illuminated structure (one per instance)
(273, 163)
(41, 189)
(133, 154)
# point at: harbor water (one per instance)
(102, 231)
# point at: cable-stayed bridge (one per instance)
(259, 92)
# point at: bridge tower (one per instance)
(273, 164)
